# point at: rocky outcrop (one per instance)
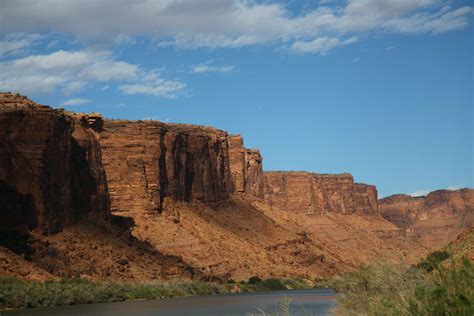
(50, 167)
(147, 162)
(246, 168)
(405, 210)
(431, 220)
(311, 193)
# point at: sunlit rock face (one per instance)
(149, 161)
(246, 166)
(311, 193)
(433, 219)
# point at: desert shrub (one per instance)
(433, 260)
(384, 289)
(16, 293)
(271, 285)
(449, 292)
(254, 280)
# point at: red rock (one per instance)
(50, 168)
(431, 220)
(147, 162)
(311, 193)
(246, 168)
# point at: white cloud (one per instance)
(153, 84)
(230, 23)
(209, 67)
(72, 71)
(18, 42)
(426, 192)
(320, 45)
(419, 193)
(356, 60)
(75, 101)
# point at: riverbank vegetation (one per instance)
(442, 284)
(18, 293)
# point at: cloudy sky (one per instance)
(378, 88)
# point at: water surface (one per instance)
(302, 302)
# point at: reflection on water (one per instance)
(302, 302)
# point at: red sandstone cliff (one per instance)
(147, 162)
(433, 219)
(246, 169)
(311, 193)
(50, 166)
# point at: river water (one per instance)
(302, 302)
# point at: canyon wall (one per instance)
(311, 193)
(58, 165)
(246, 169)
(50, 167)
(149, 161)
(433, 219)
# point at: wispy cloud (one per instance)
(388, 48)
(75, 102)
(208, 66)
(426, 192)
(320, 45)
(72, 71)
(18, 42)
(356, 60)
(420, 193)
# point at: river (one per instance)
(302, 302)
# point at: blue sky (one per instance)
(378, 88)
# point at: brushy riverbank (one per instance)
(442, 284)
(16, 293)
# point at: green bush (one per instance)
(254, 280)
(449, 292)
(272, 285)
(433, 260)
(16, 293)
(384, 289)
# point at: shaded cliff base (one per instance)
(90, 249)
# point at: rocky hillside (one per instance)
(433, 219)
(84, 196)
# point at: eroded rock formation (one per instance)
(149, 161)
(311, 193)
(50, 167)
(433, 219)
(246, 168)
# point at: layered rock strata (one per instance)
(51, 170)
(433, 219)
(311, 193)
(246, 168)
(147, 162)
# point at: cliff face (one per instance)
(50, 167)
(310, 193)
(246, 169)
(433, 219)
(147, 162)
